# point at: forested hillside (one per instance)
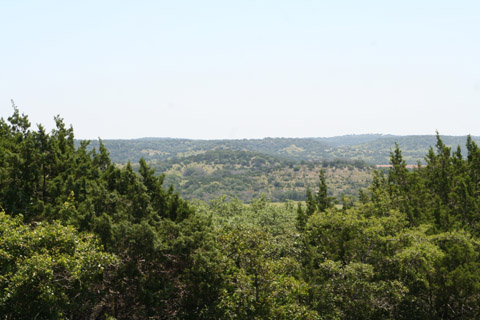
(83, 238)
(371, 148)
(414, 148)
(280, 168)
(247, 175)
(163, 149)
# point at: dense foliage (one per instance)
(83, 238)
(151, 232)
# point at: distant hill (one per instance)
(371, 148)
(281, 168)
(353, 139)
(161, 149)
(414, 148)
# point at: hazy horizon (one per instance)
(50, 125)
(324, 137)
(243, 70)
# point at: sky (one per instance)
(242, 69)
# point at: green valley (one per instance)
(247, 175)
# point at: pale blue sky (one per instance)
(243, 69)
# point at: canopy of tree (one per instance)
(82, 238)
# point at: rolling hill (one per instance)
(281, 168)
(371, 148)
(247, 175)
